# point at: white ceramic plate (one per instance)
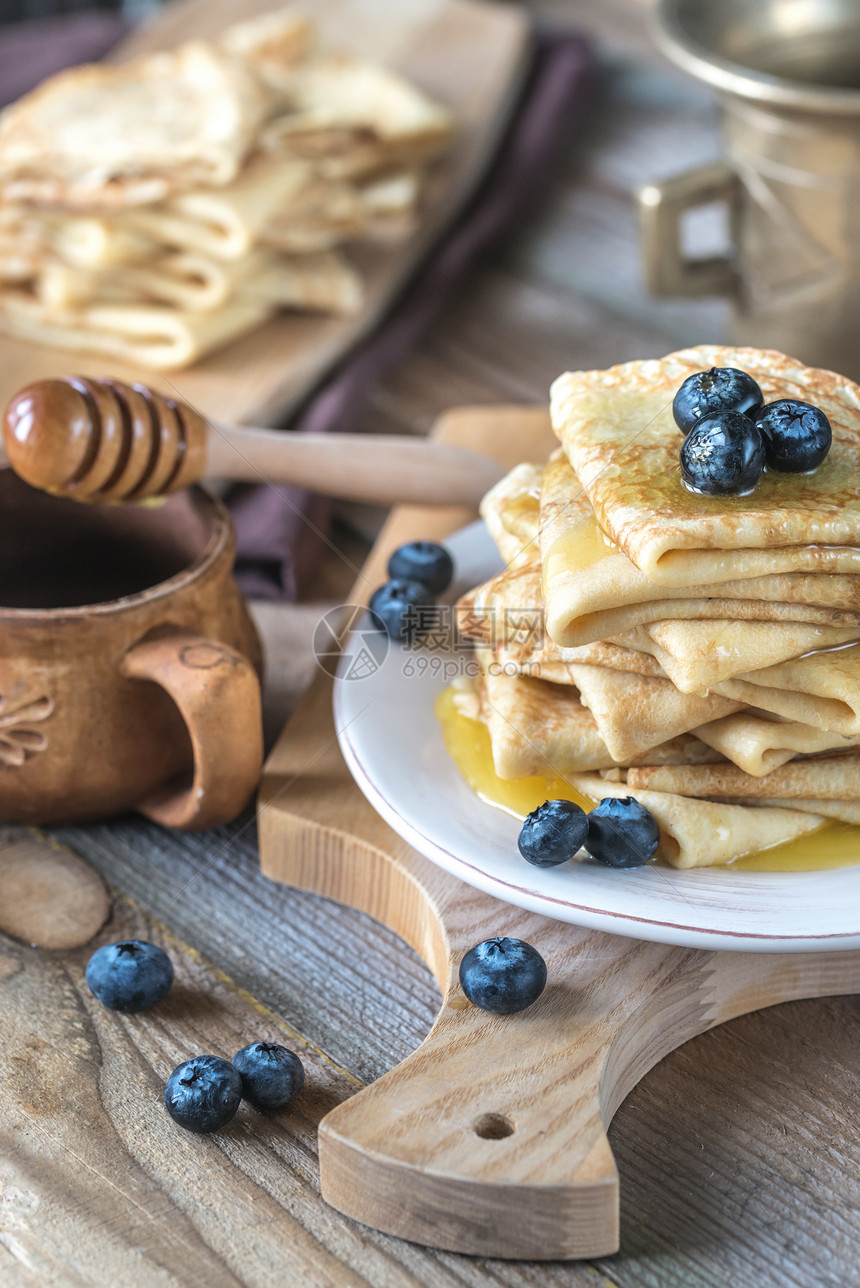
(393, 745)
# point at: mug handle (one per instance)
(218, 695)
(662, 206)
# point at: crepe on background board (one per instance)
(617, 430)
(154, 210)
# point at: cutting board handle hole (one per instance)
(493, 1127)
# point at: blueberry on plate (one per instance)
(622, 833)
(203, 1093)
(129, 976)
(404, 610)
(706, 392)
(796, 435)
(271, 1075)
(424, 561)
(723, 455)
(553, 833)
(502, 975)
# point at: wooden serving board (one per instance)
(469, 54)
(491, 1137)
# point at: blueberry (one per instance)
(796, 435)
(503, 975)
(271, 1075)
(723, 455)
(129, 976)
(552, 833)
(706, 392)
(622, 833)
(203, 1093)
(424, 561)
(403, 609)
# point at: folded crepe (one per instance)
(617, 430)
(511, 511)
(537, 728)
(838, 811)
(158, 337)
(104, 136)
(758, 743)
(698, 656)
(822, 689)
(700, 833)
(818, 777)
(592, 590)
(635, 712)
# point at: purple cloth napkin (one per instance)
(280, 532)
(30, 51)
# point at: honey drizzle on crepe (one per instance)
(833, 845)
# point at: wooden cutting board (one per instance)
(470, 55)
(491, 1137)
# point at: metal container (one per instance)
(788, 77)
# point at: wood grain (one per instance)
(50, 898)
(442, 1150)
(468, 54)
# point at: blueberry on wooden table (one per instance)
(723, 455)
(271, 1075)
(622, 833)
(403, 609)
(203, 1093)
(553, 833)
(720, 389)
(502, 975)
(797, 436)
(424, 561)
(131, 975)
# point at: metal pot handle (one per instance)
(661, 208)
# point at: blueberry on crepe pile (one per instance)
(618, 832)
(730, 436)
(404, 607)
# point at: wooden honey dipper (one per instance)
(103, 440)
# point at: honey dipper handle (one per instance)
(381, 469)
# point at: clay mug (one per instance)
(128, 661)
(787, 73)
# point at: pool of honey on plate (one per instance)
(833, 845)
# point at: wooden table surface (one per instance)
(739, 1154)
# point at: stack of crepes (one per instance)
(156, 209)
(699, 653)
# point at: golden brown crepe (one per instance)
(103, 136)
(817, 777)
(636, 712)
(822, 689)
(700, 833)
(592, 590)
(699, 656)
(757, 742)
(537, 728)
(617, 430)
